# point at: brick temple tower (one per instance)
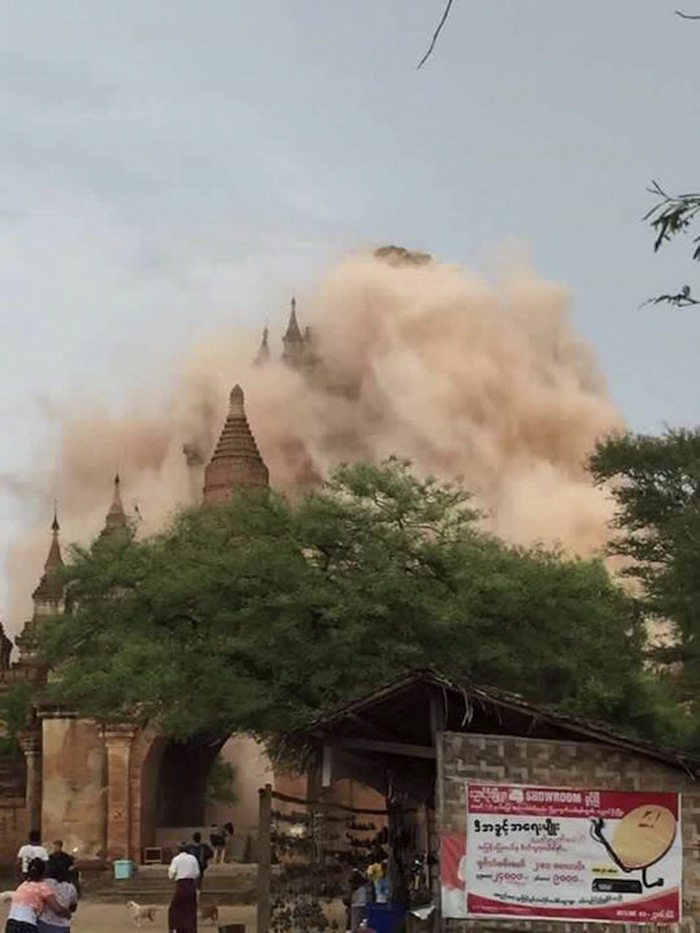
(47, 597)
(263, 354)
(298, 347)
(293, 340)
(116, 519)
(236, 461)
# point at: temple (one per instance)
(114, 790)
(236, 460)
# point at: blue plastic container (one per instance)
(123, 869)
(384, 918)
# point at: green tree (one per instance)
(15, 715)
(220, 783)
(672, 215)
(255, 615)
(655, 482)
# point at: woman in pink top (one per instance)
(30, 898)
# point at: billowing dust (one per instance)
(487, 382)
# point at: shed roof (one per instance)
(408, 710)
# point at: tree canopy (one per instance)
(655, 482)
(258, 614)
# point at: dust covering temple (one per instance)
(115, 790)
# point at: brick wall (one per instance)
(13, 814)
(74, 784)
(464, 758)
(13, 830)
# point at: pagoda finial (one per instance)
(50, 585)
(236, 402)
(263, 354)
(293, 334)
(293, 340)
(55, 527)
(116, 516)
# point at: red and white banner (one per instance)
(565, 853)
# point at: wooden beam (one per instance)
(381, 732)
(388, 748)
(327, 766)
(264, 908)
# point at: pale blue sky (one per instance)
(171, 166)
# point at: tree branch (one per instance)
(683, 299)
(687, 15)
(437, 32)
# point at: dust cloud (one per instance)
(414, 357)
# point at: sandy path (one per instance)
(114, 918)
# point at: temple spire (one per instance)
(54, 558)
(293, 331)
(116, 516)
(236, 461)
(263, 354)
(50, 589)
(293, 340)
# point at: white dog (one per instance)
(140, 913)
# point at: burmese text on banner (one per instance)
(566, 853)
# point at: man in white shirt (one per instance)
(184, 865)
(184, 871)
(30, 850)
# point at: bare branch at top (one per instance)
(437, 32)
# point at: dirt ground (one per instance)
(115, 918)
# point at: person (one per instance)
(217, 837)
(228, 845)
(184, 871)
(62, 859)
(202, 852)
(59, 861)
(31, 850)
(31, 898)
(359, 898)
(377, 875)
(58, 878)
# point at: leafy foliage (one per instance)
(256, 615)
(655, 482)
(220, 783)
(15, 713)
(670, 216)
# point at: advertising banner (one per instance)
(565, 853)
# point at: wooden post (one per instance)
(264, 858)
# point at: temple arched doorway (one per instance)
(188, 786)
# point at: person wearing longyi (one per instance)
(184, 871)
